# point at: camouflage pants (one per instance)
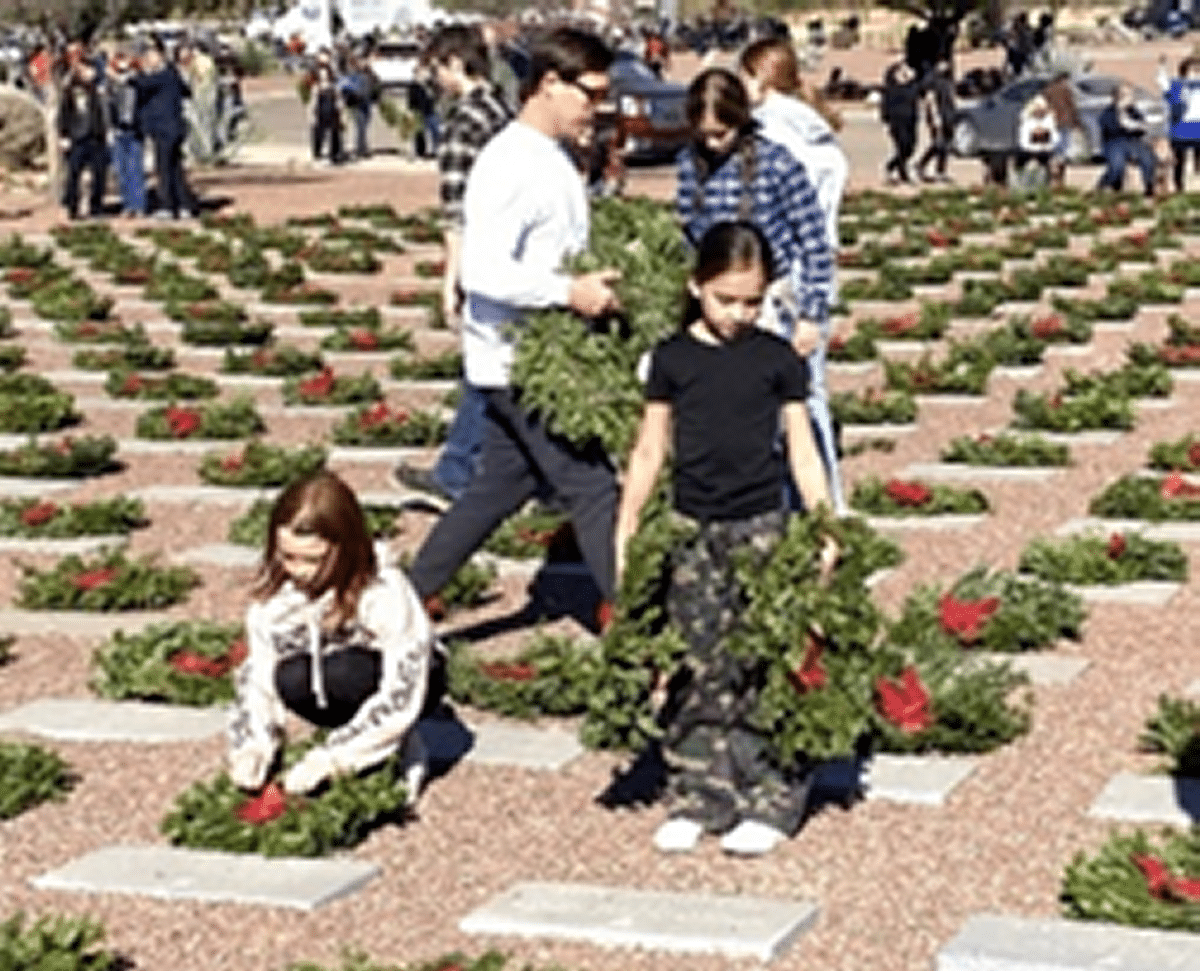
(720, 766)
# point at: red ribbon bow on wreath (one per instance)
(182, 421)
(905, 704)
(509, 671)
(192, 662)
(94, 579)
(320, 386)
(1161, 883)
(965, 619)
(1116, 546)
(907, 493)
(1175, 486)
(267, 805)
(810, 674)
(38, 513)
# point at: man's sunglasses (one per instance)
(595, 96)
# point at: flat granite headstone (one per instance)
(1149, 799)
(81, 545)
(856, 432)
(98, 720)
(944, 522)
(1178, 531)
(78, 623)
(500, 743)
(390, 455)
(1044, 668)
(12, 487)
(202, 495)
(996, 943)
(736, 926)
(1095, 436)
(1142, 593)
(964, 472)
(220, 554)
(926, 780)
(176, 873)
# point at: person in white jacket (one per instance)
(771, 74)
(337, 637)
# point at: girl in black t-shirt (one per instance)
(714, 397)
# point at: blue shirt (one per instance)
(1183, 104)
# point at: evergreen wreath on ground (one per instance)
(1051, 328)
(212, 325)
(1171, 497)
(97, 332)
(217, 815)
(899, 497)
(1131, 380)
(105, 582)
(272, 361)
(30, 403)
(250, 528)
(872, 406)
(928, 323)
(1180, 349)
(1092, 559)
(1180, 455)
(369, 339)
(856, 346)
(456, 961)
(69, 457)
(440, 367)
(551, 676)
(327, 388)
(468, 587)
(28, 776)
(1174, 731)
(139, 355)
(11, 357)
(962, 371)
(380, 425)
(237, 418)
(185, 663)
(127, 383)
(45, 519)
(53, 943)
(1006, 450)
(1138, 881)
(349, 318)
(1096, 408)
(261, 465)
(990, 611)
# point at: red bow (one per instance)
(39, 513)
(1046, 327)
(907, 493)
(964, 619)
(192, 662)
(1188, 354)
(133, 384)
(508, 671)
(905, 704)
(1193, 452)
(92, 579)
(896, 326)
(1116, 546)
(183, 421)
(319, 386)
(378, 414)
(233, 463)
(810, 674)
(1175, 486)
(937, 238)
(1161, 883)
(364, 340)
(266, 806)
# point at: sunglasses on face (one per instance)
(595, 96)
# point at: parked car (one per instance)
(395, 63)
(989, 126)
(648, 115)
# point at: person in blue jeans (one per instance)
(128, 145)
(1123, 138)
(1182, 95)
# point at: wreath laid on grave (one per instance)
(961, 371)
(470, 586)
(1152, 286)
(28, 776)
(261, 464)
(1136, 880)
(218, 815)
(172, 284)
(58, 943)
(1091, 559)
(273, 361)
(429, 269)
(1096, 408)
(873, 406)
(221, 419)
(140, 355)
(551, 676)
(415, 297)
(1180, 349)
(15, 251)
(340, 259)
(127, 383)
(900, 497)
(1052, 328)
(890, 283)
(250, 528)
(991, 611)
(1183, 454)
(24, 281)
(369, 339)
(1157, 500)
(70, 299)
(381, 425)
(220, 328)
(30, 403)
(107, 581)
(1110, 307)
(69, 457)
(362, 238)
(1066, 270)
(856, 346)
(1173, 730)
(440, 367)
(456, 961)
(1006, 450)
(11, 357)
(527, 535)
(927, 324)
(1131, 380)
(97, 332)
(45, 519)
(327, 388)
(185, 663)
(304, 292)
(364, 318)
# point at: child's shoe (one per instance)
(678, 835)
(752, 838)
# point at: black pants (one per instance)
(328, 125)
(904, 142)
(174, 196)
(350, 677)
(89, 154)
(1179, 151)
(938, 152)
(519, 459)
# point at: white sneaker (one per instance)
(752, 838)
(415, 763)
(678, 835)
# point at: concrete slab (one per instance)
(905, 348)
(963, 472)
(857, 432)
(98, 720)
(176, 873)
(193, 448)
(78, 623)
(735, 926)
(947, 522)
(926, 780)
(369, 455)
(81, 545)
(989, 942)
(1179, 531)
(1131, 797)
(1193, 689)
(203, 495)
(513, 744)
(220, 554)
(13, 487)
(851, 368)
(951, 400)
(1096, 436)
(1045, 669)
(1144, 593)
(1017, 372)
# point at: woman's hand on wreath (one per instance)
(830, 551)
(309, 772)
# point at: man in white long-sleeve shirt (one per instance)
(525, 211)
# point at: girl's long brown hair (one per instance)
(772, 61)
(720, 93)
(322, 505)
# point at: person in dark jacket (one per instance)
(82, 128)
(325, 103)
(901, 95)
(128, 145)
(1123, 135)
(937, 102)
(161, 92)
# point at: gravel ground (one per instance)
(894, 882)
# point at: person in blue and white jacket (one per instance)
(1182, 95)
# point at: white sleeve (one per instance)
(256, 721)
